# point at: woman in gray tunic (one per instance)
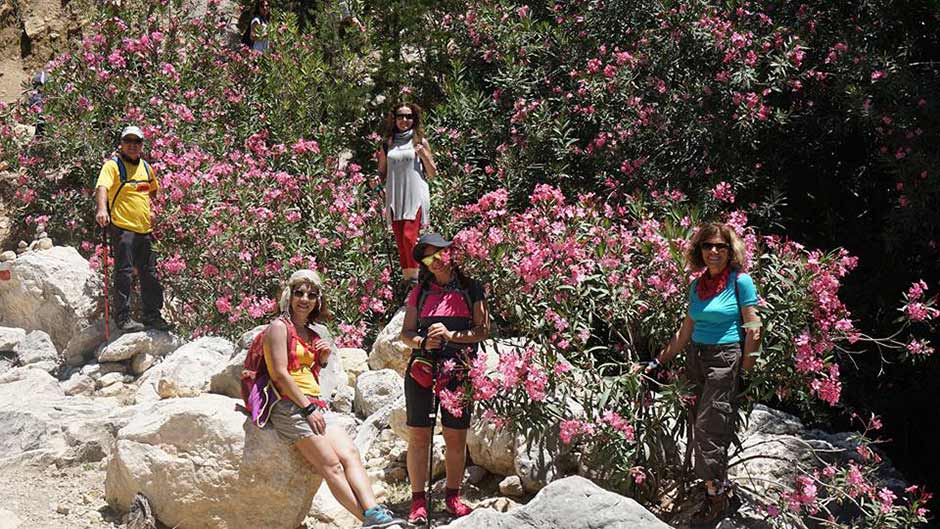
(406, 164)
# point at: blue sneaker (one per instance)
(380, 516)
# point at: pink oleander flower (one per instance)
(638, 475)
(452, 401)
(920, 348)
(918, 311)
(223, 305)
(723, 192)
(535, 383)
(886, 499)
(917, 290)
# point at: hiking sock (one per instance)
(422, 495)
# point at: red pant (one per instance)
(406, 235)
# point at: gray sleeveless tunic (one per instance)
(406, 190)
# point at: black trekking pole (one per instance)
(433, 417)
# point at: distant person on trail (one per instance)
(124, 191)
(724, 328)
(446, 316)
(307, 11)
(405, 166)
(256, 34)
(35, 101)
(299, 416)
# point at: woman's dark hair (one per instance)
(693, 253)
(256, 11)
(417, 125)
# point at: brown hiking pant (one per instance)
(713, 372)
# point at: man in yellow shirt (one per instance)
(125, 187)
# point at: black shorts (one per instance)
(418, 405)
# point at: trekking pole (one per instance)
(433, 417)
(107, 303)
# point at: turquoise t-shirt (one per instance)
(718, 320)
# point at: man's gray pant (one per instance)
(713, 372)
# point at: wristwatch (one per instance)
(308, 410)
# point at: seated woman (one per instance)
(299, 415)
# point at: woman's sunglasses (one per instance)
(309, 294)
(405, 116)
(709, 246)
(428, 259)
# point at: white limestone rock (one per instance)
(202, 465)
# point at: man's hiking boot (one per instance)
(714, 509)
(380, 516)
(130, 325)
(158, 323)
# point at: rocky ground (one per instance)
(40, 496)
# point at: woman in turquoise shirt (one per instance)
(724, 328)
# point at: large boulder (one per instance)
(38, 422)
(55, 291)
(227, 381)
(537, 461)
(154, 342)
(388, 351)
(492, 447)
(186, 372)
(202, 465)
(354, 361)
(377, 389)
(38, 351)
(569, 503)
(777, 446)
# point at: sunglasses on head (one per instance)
(709, 246)
(405, 116)
(428, 259)
(309, 294)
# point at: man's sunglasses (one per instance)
(138, 141)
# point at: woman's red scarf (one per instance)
(709, 287)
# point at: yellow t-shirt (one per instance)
(131, 210)
(303, 376)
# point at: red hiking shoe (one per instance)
(457, 507)
(419, 511)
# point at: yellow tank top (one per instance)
(303, 377)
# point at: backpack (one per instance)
(122, 173)
(258, 391)
(423, 295)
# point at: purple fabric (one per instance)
(261, 399)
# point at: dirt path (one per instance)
(46, 497)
